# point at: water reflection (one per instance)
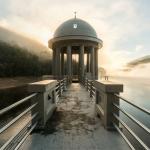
(136, 90)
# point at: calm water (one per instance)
(136, 90)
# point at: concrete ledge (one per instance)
(108, 86)
(41, 86)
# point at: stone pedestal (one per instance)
(46, 99)
(105, 97)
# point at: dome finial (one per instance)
(75, 14)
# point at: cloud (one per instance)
(115, 21)
(139, 61)
(139, 47)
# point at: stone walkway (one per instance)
(74, 126)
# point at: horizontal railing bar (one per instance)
(57, 96)
(21, 135)
(93, 92)
(93, 88)
(22, 141)
(13, 137)
(138, 107)
(57, 87)
(133, 119)
(93, 96)
(16, 118)
(100, 109)
(3, 111)
(57, 92)
(131, 132)
(124, 137)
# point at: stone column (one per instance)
(88, 62)
(54, 60)
(69, 73)
(96, 64)
(57, 63)
(62, 63)
(93, 62)
(81, 61)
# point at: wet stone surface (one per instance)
(72, 115)
(74, 126)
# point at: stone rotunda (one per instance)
(75, 50)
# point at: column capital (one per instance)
(92, 47)
(57, 48)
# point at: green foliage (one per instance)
(16, 61)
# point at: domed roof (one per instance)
(75, 27)
(74, 30)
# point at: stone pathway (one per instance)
(74, 126)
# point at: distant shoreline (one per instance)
(12, 82)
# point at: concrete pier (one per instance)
(75, 126)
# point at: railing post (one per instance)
(84, 81)
(62, 85)
(91, 84)
(87, 84)
(60, 88)
(65, 84)
(104, 101)
(46, 99)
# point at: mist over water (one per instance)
(137, 91)
(27, 43)
(141, 70)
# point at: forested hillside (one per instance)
(17, 61)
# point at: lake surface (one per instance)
(136, 90)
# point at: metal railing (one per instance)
(89, 85)
(115, 119)
(60, 87)
(16, 140)
(133, 119)
(26, 129)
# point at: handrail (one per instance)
(131, 132)
(17, 118)
(138, 107)
(124, 137)
(4, 110)
(24, 138)
(90, 87)
(133, 119)
(140, 124)
(24, 132)
(13, 137)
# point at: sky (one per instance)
(123, 25)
